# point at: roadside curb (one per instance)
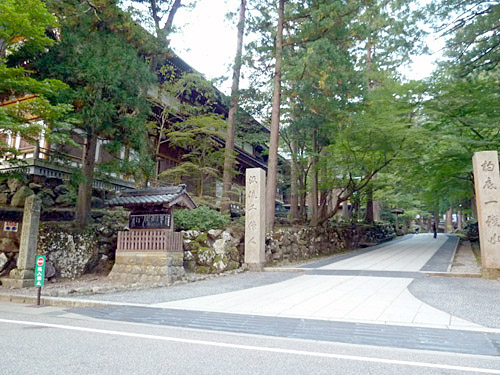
(58, 302)
(454, 253)
(454, 274)
(285, 269)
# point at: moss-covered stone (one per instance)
(202, 269)
(14, 184)
(71, 252)
(205, 256)
(234, 254)
(4, 198)
(47, 199)
(220, 263)
(8, 245)
(20, 196)
(232, 265)
(202, 238)
(190, 265)
(192, 246)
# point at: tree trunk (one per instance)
(314, 194)
(436, 220)
(272, 164)
(449, 220)
(324, 195)
(314, 181)
(473, 208)
(369, 217)
(3, 49)
(303, 198)
(294, 199)
(200, 187)
(229, 150)
(162, 33)
(85, 188)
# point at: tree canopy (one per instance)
(23, 33)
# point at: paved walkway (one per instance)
(383, 297)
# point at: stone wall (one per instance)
(218, 251)
(214, 251)
(68, 250)
(73, 252)
(147, 268)
(296, 244)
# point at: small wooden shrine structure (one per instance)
(150, 251)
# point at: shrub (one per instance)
(201, 218)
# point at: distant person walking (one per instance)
(434, 229)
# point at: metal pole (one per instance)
(38, 296)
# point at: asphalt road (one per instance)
(52, 340)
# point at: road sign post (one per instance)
(39, 276)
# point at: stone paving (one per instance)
(376, 299)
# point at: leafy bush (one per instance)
(201, 218)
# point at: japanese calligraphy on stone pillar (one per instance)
(486, 185)
(255, 217)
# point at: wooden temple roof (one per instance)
(168, 196)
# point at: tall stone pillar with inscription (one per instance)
(255, 219)
(23, 275)
(487, 188)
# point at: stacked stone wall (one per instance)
(296, 244)
(147, 268)
(219, 251)
(73, 252)
(214, 251)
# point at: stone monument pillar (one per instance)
(487, 188)
(23, 275)
(255, 218)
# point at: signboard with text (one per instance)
(149, 221)
(39, 271)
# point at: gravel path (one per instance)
(476, 300)
(465, 261)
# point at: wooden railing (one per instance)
(150, 240)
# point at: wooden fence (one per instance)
(150, 240)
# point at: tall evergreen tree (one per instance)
(272, 164)
(231, 119)
(108, 81)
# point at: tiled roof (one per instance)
(147, 196)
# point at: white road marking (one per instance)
(476, 370)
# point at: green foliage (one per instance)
(98, 58)
(471, 28)
(201, 218)
(188, 122)
(23, 26)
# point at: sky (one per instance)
(207, 42)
